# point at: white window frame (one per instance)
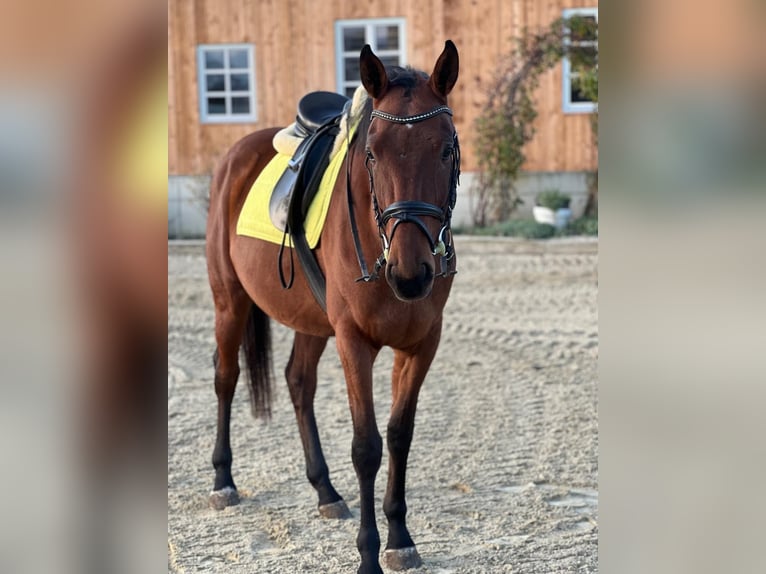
(568, 106)
(227, 93)
(369, 25)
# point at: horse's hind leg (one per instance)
(301, 374)
(231, 314)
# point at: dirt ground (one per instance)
(503, 471)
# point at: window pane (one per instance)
(216, 106)
(583, 56)
(240, 82)
(238, 59)
(576, 93)
(213, 59)
(390, 60)
(583, 29)
(351, 67)
(387, 37)
(353, 39)
(240, 105)
(215, 83)
(350, 92)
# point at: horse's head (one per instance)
(413, 160)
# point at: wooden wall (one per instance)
(295, 53)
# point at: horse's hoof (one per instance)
(337, 510)
(227, 496)
(402, 558)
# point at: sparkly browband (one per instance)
(411, 119)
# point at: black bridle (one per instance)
(409, 211)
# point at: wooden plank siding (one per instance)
(295, 53)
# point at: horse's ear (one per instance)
(373, 73)
(444, 76)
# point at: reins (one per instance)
(407, 211)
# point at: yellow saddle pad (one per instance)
(254, 220)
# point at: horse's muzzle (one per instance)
(411, 288)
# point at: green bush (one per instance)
(583, 226)
(553, 199)
(527, 228)
(530, 229)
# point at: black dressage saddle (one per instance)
(318, 124)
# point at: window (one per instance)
(586, 46)
(226, 77)
(386, 37)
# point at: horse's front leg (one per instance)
(410, 370)
(357, 357)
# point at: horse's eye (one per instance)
(447, 153)
(370, 157)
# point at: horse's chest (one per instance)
(398, 325)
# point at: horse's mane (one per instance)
(407, 78)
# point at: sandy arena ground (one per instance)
(503, 472)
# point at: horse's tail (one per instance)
(257, 350)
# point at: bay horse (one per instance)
(395, 205)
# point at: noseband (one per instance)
(410, 211)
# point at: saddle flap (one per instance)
(281, 195)
(279, 203)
